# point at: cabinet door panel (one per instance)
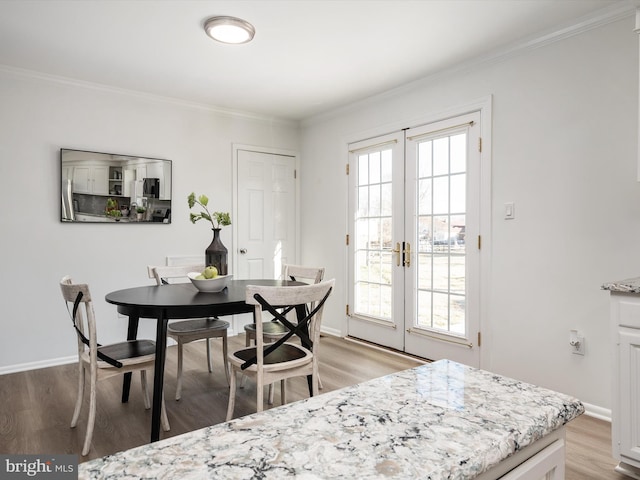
(81, 180)
(101, 180)
(629, 398)
(629, 313)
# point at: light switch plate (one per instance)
(509, 211)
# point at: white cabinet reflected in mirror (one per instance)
(104, 187)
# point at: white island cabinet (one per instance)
(625, 411)
(439, 421)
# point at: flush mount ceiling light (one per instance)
(229, 29)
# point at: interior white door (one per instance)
(266, 215)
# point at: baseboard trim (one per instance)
(23, 367)
(332, 332)
(597, 412)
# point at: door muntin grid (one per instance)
(374, 235)
(440, 274)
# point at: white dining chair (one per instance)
(103, 361)
(273, 330)
(186, 331)
(271, 362)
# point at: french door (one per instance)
(414, 240)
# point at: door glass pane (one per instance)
(424, 159)
(441, 269)
(385, 200)
(363, 202)
(425, 196)
(374, 168)
(441, 195)
(374, 230)
(363, 170)
(458, 145)
(386, 166)
(374, 200)
(458, 193)
(441, 156)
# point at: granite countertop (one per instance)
(630, 285)
(442, 420)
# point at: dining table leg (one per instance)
(132, 334)
(301, 313)
(158, 376)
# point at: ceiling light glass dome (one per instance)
(229, 29)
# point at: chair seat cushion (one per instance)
(268, 328)
(129, 349)
(197, 325)
(284, 353)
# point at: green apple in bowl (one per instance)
(203, 284)
(210, 272)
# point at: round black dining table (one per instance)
(177, 301)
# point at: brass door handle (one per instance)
(407, 254)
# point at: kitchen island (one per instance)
(625, 344)
(442, 420)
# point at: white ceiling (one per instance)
(307, 56)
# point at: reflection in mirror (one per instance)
(104, 187)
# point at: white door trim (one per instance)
(484, 106)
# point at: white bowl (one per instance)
(216, 284)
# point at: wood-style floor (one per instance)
(36, 406)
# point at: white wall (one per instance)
(37, 118)
(564, 150)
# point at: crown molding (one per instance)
(578, 26)
(46, 77)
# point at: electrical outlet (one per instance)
(577, 342)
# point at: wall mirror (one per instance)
(111, 188)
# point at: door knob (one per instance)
(243, 251)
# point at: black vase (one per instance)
(216, 253)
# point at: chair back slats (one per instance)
(169, 274)
(70, 290)
(302, 273)
(81, 313)
(77, 295)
